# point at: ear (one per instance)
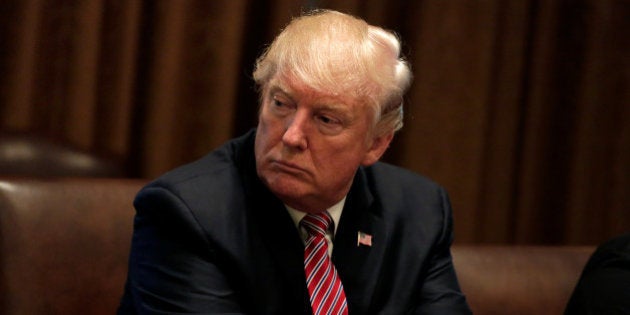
(377, 148)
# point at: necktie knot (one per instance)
(317, 224)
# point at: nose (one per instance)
(295, 134)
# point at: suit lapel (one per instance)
(280, 240)
(359, 265)
(283, 243)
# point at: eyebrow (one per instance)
(335, 106)
(329, 103)
(276, 90)
(276, 87)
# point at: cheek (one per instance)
(266, 120)
(267, 133)
(341, 159)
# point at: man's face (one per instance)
(309, 144)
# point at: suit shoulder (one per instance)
(212, 182)
(216, 167)
(398, 178)
(209, 193)
(404, 193)
(412, 204)
(212, 165)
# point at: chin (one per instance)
(286, 188)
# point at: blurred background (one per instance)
(520, 108)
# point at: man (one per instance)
(298, 216)
(604, 286)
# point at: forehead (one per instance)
(298, 90)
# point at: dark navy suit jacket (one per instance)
(210, 238)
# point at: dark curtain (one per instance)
(519, 108)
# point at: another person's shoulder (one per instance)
(603, 287)
(613, 253)
(619, 243)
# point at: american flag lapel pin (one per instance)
(364, 239)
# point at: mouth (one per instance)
(287, 167)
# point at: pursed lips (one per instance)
(288, 167)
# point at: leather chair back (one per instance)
(29, 155)
(64, 244)
(519, 279)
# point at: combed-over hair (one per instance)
(339, 54)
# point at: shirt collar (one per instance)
(334, 211)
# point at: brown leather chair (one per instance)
(64, 244)
(519, 279)
(23, 154)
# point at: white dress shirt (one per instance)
(335, 213)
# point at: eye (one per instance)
(327, 120)
(277, 103)
(329, 125)
(280, 104)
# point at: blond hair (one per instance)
(340, 54)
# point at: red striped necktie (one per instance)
(324, 286)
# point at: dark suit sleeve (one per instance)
(173, 267)
(440, 292)
(604, 286)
